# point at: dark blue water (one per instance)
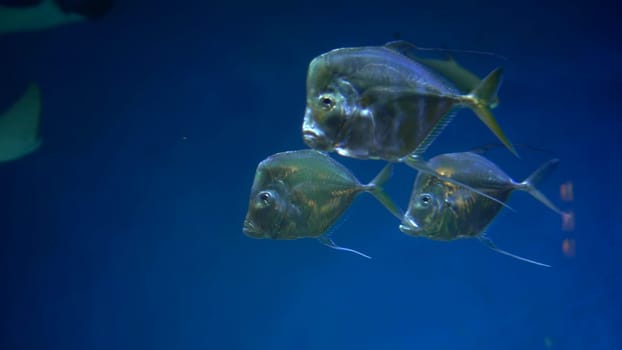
(124, 230)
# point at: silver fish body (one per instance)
(377, 103)
(444, 211)
(299, 194)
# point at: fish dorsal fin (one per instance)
(404, 47)
(483, 149)
(327, 241)
(463, 79)
(490, 244)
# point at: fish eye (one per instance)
(265, 197)
(327, 102)
(425, 199)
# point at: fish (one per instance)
(444, 211)
(301, 194)
(19, 126)
(29, 15)
(378, 102)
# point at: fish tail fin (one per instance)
(375, 187)
(490, 244)
(487, 89)
(529, 185)
(327, 241)
(482, 99)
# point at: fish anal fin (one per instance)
(490, 244)
(327, 241)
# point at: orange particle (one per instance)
(566, 191)
(569, 247)
(568, 221)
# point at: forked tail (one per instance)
(375, 187)
(480, 101)
(529, 184)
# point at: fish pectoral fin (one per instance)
(490, 244)
(418, 164)
(327, 241)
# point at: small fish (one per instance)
(378, 102)
(443, 211)
(31, 15)
(19, 126)
(300, 194)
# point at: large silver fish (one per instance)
(300, 194)
(379, 102)
(444, 211)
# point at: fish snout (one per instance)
(313, 135)
(409, 226)
(316, 141)
(250, 230)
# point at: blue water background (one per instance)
(124, 230)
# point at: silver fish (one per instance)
(301, 194)
(444, 211)
(377, 102)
